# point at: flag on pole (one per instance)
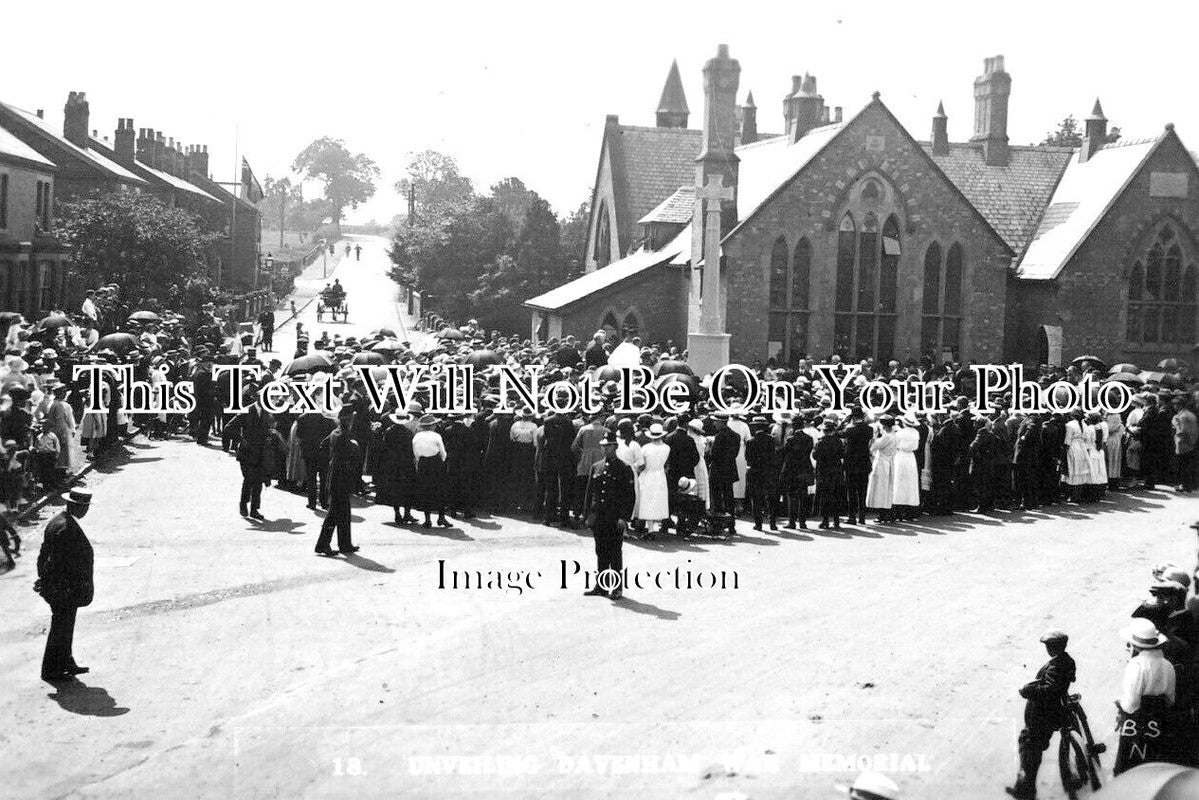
(251, 189)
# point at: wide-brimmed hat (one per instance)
(686, 484)
(399, 417)
(656, 431)
(696, 425)
(79, 497)
(428, 421)
(1143, 634)
(875, 786)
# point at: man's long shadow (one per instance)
(638, 607)
(77, 697)
(365, 563)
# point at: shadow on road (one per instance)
(281, 525)
(77, 697)
(365, 563)
(629, 604)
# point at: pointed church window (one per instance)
(1173, 265)
(603, 237)
(932, 279)
(870, 223)
(953, 280)
(847, 242)
(1136, 282)
(1153, 274)
(1187, 285)
(871, 193)
(610, 324)
(1162, 305)
(632, 325)
(779, 260)
(801, 270)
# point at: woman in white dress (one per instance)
(1078, 462)
(1113, 445)
(905, 487)
(695, 429)
(739, 427)
(653, 504)
(1096, 455)
(629, 451)
(879, 489)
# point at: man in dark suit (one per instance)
(858, 436)
(557, 468)
(829, 456)
(683, 458)
(1043, 713)
(252, 429)
(64, 580)
(345, 472)
(984, 455)
(203, 388)
(761, 477)
(722, 473)
(311, 428)
(1026, 457)
(1053, 452)
(609, 505)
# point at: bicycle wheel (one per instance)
(1073, 763)
(1093, 750)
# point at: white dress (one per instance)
(701, 469)
(878, 490)
(741, 429)
(1113, 446)
(652, 495)
(1097, 454)
(1078, 463)
(630, 453)
(906, 484)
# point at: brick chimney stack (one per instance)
(122, 142)
(1096, 134)
(749, 120)
(197, 160)
(160, 146)
(991, 92)
(75, 119)
(145, 146)
(805, 108)
(940, 131)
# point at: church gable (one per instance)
(603, 243)
(895, 261)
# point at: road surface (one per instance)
(228, 661)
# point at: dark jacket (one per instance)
(829, 455)
(65, 564)
(252, 424)
(725, 447)
(311, 428)
(345, 457)
(610, 490)
(857, 448)
(795, 463)
(1028, 443)
(559, 436)
(1047, 692)
(761, 466)
(684, 455)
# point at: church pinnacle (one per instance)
(672, 107)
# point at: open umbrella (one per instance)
(1169, 364)
(54, 321)
(1152, 377)
(483, 358)
(384, 333)
(1125, 377)
(368, 357)
(144, 316)
(119, 342)
(388, 346)
(690, 381)
(626, 354)
(1132, 369)
(451, 333)
(429, 344)
(607, 373)
(1153, 781)
(1094, 361)
(672, 368)
(313, 362)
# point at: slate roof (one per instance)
(631, 265)
(89, 156)
(677, 209)
(1011, 198)
(1081, 200)
(648, 165)
(165, 177)
(12, 146)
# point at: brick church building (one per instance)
(846, 234)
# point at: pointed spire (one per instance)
(940, 109)
(749, 101)
(1097, 111)
(672, 107)
(1095, 135)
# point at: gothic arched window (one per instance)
(941, 326)
(632, 325)
(610, 323)
(1161, 293)
(867, 297)
(787, 334)
(603, 237)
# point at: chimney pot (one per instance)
(41, 113)
(837, 110)
(940, 138)
(991, 92)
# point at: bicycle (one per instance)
(1078, 753)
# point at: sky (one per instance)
(522, 88)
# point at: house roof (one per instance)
(623, 269)
(89, 155)
(165, 177)
(1011, 198)
(1082, 198)
(677, 209)
(12, 146)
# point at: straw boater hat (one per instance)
(428, 421)
(1143, 634)
(399, 417)
(696, 425)
(79, 497)
(686, 484)
(655, 431)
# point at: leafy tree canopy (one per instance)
(1069, 134)
(348, 178)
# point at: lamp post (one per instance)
(270, 271)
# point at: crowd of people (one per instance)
(789, 468)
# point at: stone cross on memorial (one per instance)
(714, 192)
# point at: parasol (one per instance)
(672, 368)
(369, 357)
(1153, 781)
(451, 333)
(54, 321)
(1129, 368)
(1094, 361)
(384, 332)
(313, 362)
(625, 354)
(119, 342)
(144, 316)
(483, 358)
(1125, 377)
(1169, 364)
(388, 346)
(1152, 377)
(607, 373)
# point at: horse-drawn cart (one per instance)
(332, 300)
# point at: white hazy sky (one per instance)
(522, 88)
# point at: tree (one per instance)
(280, 197)
(574, 232)
(348, 178)
(513, 198)
(1068, 134)
(134, 240)
(440, 187)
